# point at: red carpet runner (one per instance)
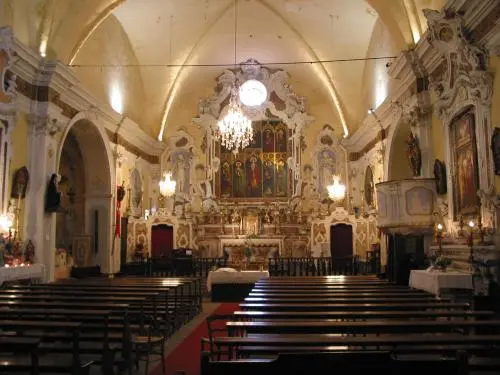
(186, 356)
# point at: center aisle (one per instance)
(185, 357)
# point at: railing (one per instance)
(199, 267)
(313, 266)
(167, 267)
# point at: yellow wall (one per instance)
(19, 157)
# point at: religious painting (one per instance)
(226, 179)
(281, 138)
(281, 175)
(253, 168)
(239, 179)
(268, 180)
(258, 171)
(465, 179)
(268, 138)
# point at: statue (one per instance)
(29, 253)
(180, 175)
(306, 195)
(202, 191)
(53, 196)
(440, 176)
(414, 154)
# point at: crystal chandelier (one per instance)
(167, 185)
(336, 191)
(235, 128)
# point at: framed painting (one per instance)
(466, 177)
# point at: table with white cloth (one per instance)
(231, 285)
(436, 281)
(31, 272)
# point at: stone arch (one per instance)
(98, 208)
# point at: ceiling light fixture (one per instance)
(234, 130)
(253, 93)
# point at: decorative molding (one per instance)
(465, 83)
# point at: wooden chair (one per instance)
(216, 325)
(149, 342)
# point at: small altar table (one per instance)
(32, 272)
(435, 281)
(232, 286)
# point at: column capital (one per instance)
(44, 125)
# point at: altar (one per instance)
(28, 272)
(261, 248)
(436, 281)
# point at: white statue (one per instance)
(306, 195)
(180, 174)
(202, 192)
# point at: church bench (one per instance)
(94, 340)
(49, 360)
(317, 294)
(343, 363)
(23, 345)
(346, 300)
(362, 327)
(367, 341)
(361, 315)
(351, 306)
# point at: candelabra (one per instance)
(439, 237)
(470, 243)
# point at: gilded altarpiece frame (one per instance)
(464, 154)
(274, 158)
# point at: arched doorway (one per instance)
(84, 221)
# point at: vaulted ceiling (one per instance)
(124, 46)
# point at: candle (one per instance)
(471, 224)
(440, 227)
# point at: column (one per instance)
(40, 227)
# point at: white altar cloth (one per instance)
(34, 271)
(238, 277)
(434, 281)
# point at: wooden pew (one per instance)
(44, 331)
(352, 306)
(361, 315)
(20, 345)
(315, 294)
(340, 362)
(346, 299)
(362, 327)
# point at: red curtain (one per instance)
(162, 240)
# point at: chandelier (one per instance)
(235, 128)
(167, 185)
(336, 191)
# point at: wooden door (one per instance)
(162, 240)
(341, 241)
(406, 252)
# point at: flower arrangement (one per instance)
(442, 262)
